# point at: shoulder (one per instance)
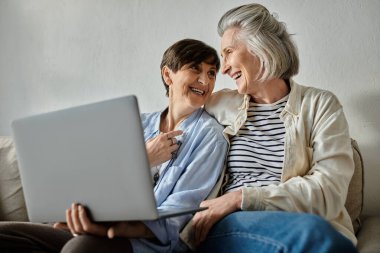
(225, 98)
(147, 116)
(313, 104)
(148, 119)
(224, 105)
(209, 121)
(320, 97)
(209, 127)
(312, 98)
(316, 93)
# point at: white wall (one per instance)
(55, 54)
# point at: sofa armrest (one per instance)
(369, 235)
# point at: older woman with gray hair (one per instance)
(290, 159)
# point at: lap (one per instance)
(26, 236)
(34, 237)
(274, 232)
(265, 221)
(95, 244)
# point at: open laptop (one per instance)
(92, 154)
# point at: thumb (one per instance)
(111, 233)
(118, 229)
(59, 225)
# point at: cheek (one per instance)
(212, 86)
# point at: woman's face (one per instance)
(191, 85)
(239, 63)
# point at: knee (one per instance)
(82, 244)
(6, 227)
(96, 244)
(313, 228)
(312, 221)
(314, 225)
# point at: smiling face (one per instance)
(191, 85)
(239, 63)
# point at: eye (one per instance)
(212, 74)
(226, 53)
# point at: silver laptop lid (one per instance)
(92, 154)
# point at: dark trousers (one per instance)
(24, 237)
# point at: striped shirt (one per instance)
(256, 154)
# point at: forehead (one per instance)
(203, 64)
(229, 38)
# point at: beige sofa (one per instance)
(12, 205)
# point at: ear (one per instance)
(166, 72)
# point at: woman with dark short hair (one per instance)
(186, 150)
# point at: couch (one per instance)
(12, 204)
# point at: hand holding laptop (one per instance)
(92, 146)
(79, 222)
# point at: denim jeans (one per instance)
(267, 232)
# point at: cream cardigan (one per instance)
(318, 162)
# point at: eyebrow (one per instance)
(224, 50)
(213, 66)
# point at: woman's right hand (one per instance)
(217, 209)
(79, 222)
(161, 148)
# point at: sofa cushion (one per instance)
(369, 235)
(12, 204)
(354, 202)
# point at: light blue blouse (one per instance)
(186, 180)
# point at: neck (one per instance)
(270, 91)
(173, 117)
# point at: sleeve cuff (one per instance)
(251, 199)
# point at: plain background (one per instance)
(55, 54)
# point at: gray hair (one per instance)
(265, 37)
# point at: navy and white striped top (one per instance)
(256, 153)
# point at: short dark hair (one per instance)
(188, 51)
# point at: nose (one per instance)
(225, 67)
(203, 78)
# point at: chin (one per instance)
(241, 90)
(196, 104)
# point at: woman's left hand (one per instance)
(217, 209)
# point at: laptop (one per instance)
(92, 154)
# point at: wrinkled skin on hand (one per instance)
(217, 209)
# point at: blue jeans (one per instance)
(267, 232)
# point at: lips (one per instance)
(236, 75)
(197, 91)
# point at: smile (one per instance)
(236, 76)
(197, 91)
